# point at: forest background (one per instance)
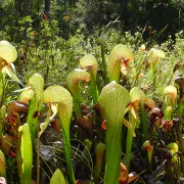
(51, 25)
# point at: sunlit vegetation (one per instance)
(90, 94)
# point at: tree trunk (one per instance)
(124, 9)
(47, 7)
(25, 10)
(18, 5)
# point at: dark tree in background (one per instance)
(91, 15)
(47, 7)
(22, 6)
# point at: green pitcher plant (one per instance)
(99, 154)
(170, 93)
(102, 42)
(8, 55)
(118, 61)
(60, 96)
(154, 56)
(26, 152)
(36, 83)
(138, 66)
(34, 93)
(147, 146)
(175, 162)
(73, 80)
(113, 99)
(57, 177)
(133, 108)
(90, 63)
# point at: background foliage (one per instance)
(51, 35)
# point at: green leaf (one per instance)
(57, 177)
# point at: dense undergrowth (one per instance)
(97, 109)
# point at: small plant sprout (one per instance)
(8, 55)
(99, 153)
(173, 147)
(60, 96)
(170, 93)
(168, 112)
(73, 80)
(113, 100)
(119, 58)
(149, 148)
(89, 63)
(133, 109)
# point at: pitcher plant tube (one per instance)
(113, 100)
(73, 81)
(26, 151)
(102, 42)
(90, 63)
(99, 153)
(154, 57)
(118, 61)
(36, 85)
(133, 109)
(8, 55)
(60, 96)
(57, 177)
